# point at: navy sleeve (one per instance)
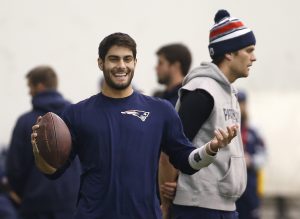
(175, 143)
(67, 116)
(19, 160)
(196, 106)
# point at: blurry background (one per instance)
(65, 34)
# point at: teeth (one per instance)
(120, 75)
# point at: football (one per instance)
(53, 140)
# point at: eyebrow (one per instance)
(250, 48)
(115, 56)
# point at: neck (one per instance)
(174, 82)
(227, 72)
(114, 93)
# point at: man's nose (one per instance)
(253, 58)
(121, 64)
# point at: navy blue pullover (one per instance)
(171, 95)
(118, 142)
(38, 193)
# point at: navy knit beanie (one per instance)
(229, 34)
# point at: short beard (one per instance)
(115, 86)
(165, 81)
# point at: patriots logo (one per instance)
(142, 115)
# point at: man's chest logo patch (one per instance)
(231, 114)
(142, 115)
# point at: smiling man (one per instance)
(118, 69)
(118, 135)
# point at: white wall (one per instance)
(66, 34)
(276, 113)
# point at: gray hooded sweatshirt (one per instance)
(220, 184)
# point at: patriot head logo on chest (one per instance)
(142, 115)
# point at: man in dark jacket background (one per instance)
(40, 197)
(7, 210)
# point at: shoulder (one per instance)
(83, 103)
(74, 109)
(255, 131)
(255, 136)
(156, 101)
(27, 117)
(156, 104)
(87, 101)
(205, 83)
(198, 98)
(24, 122)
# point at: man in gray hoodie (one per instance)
(207, 100)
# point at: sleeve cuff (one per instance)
(199, 158)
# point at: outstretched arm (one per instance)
(205, 155)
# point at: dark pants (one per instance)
(189, 212)
(248, 204)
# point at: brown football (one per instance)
(53, 140)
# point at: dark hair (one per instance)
(177, 53)
(217, 60)
(43, 74)
(116, 39)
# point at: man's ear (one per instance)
(100, 64)
(177, 66)
(40, 87)
(228, 56)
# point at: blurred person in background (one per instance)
(40, 197)
(7, 209)
(173, 63)
(255, 156)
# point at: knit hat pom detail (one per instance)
(228, 34)
(220, 15)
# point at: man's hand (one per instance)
(167, 175)
(168, 190)
(41, 164)
(222, 139)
